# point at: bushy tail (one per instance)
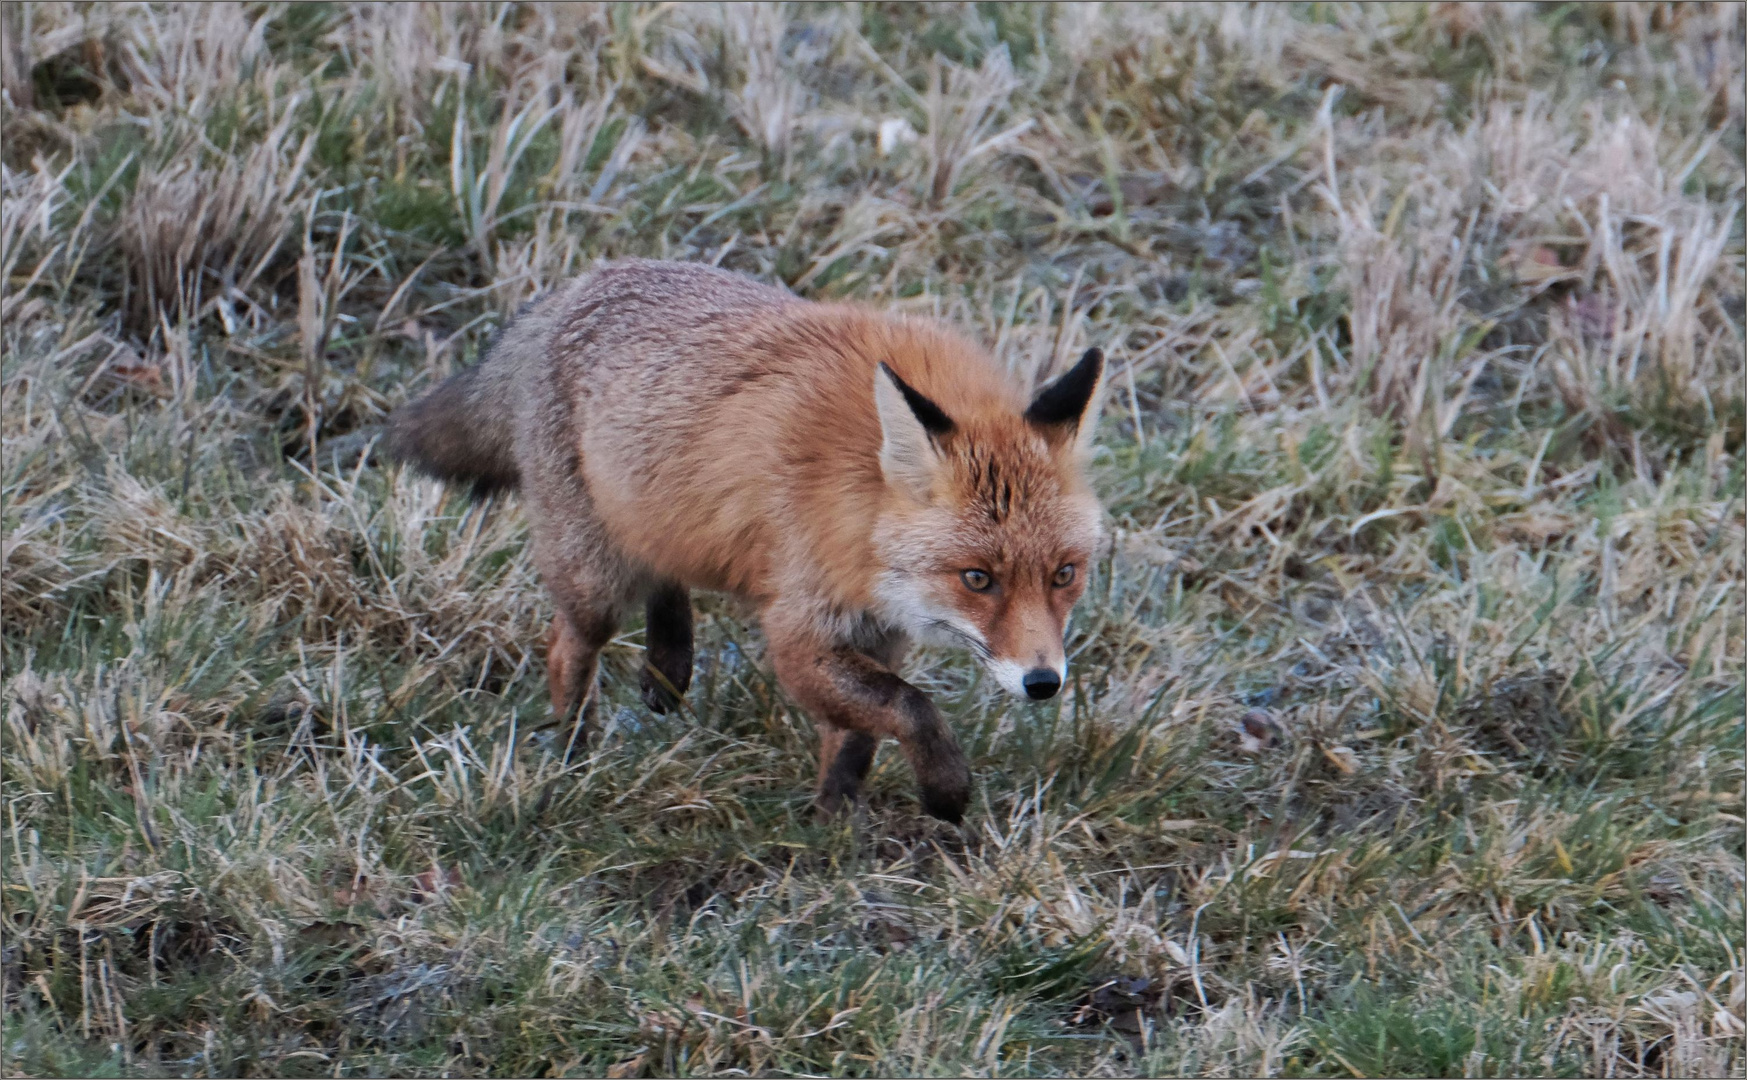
(461, 431)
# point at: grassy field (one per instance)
(1406, 727)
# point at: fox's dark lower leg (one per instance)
(667, 658)
(846, 690)
(572, 656)
(845, 756)
(844, 760)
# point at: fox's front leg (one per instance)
(844, 760)
(850, 692)
(845, 756)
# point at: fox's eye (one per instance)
(976, 580)
(1064, 576)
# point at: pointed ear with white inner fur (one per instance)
(910, 424)
(1068, 407)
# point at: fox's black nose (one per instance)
(1041, 683)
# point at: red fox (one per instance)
(863, 479)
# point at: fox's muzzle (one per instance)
(1037, 680)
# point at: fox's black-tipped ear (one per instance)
(928, 414)
(909, 426)
(1061, 407)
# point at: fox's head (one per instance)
(989, 533)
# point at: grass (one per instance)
(1406, 734)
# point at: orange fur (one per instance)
(676, 427)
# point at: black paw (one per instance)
(829, 804)
(946, 803)
(942, 774)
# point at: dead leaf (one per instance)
(131, 369)
(432, 883)
(1342, 758)
(333, 935)
(1539, 524)
(1258, 731)
(1536, 265)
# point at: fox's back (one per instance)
(721, 424)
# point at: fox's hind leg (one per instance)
(572, 661)
(667, 659)
(591, 584)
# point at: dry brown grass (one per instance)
(1407, 736)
